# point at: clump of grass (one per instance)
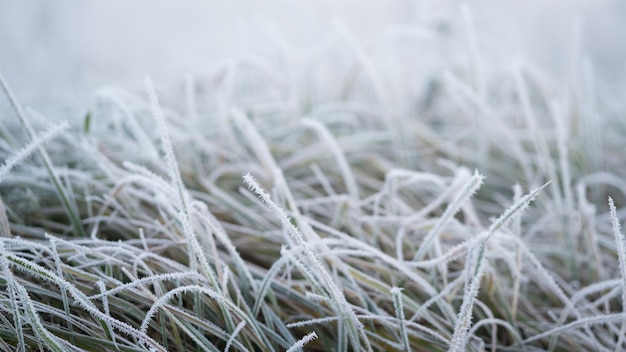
(357, 225)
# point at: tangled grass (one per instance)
(321, 202)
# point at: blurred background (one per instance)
(55, 53)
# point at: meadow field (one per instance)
(424, 190)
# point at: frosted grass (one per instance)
(363, 227)
(621, 253)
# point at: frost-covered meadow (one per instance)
(415, 176)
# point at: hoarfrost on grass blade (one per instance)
(344, 167)
(599, 319)
(396, 294)
(621, 252)
(468, 190)
(303, 341)
(239, 327)
(27, 150)
(474, 270)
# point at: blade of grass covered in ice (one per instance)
(468, 190)
(255, 140)
(33, 145)
(583, 322)
(621, 252)
(71, 209)
(488, 319)
(302, 342)
(5, 227)
(396, 294)
(355, 328)
(340, 158)
(521, 205)
(196, 328)
(157, 278)
(240, 326)
(474, 264)
(423, 308)
(517, 275)
(66, 303)
(509, 327)
(474, 270)
(267, 281)
(392, 177)
(108, 330)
